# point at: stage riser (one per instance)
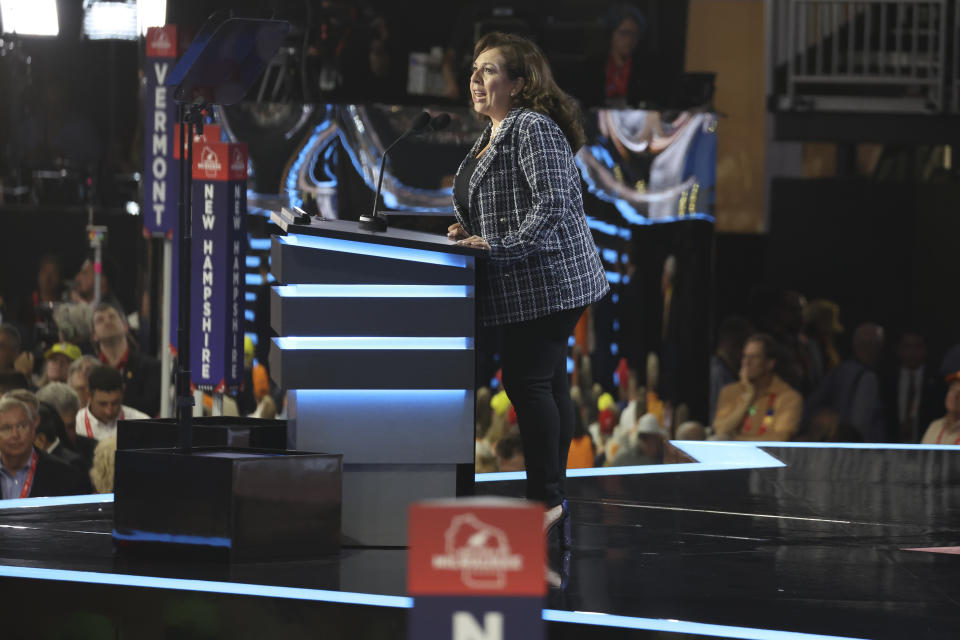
(383, 374)
(372, 368)
(376, 498)
(328, 316)
(370, 427)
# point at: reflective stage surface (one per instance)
(813, 543)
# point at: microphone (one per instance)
(423, 122)
(440, 122)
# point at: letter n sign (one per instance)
(476, 569)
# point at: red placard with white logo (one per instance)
(476, 546)
(476, 569)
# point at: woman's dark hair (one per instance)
(540, 92)
(620, 12)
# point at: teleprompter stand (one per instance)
(221, 502)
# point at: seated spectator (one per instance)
(266, 410)
(102, 470)
(644, 444)
(84, 285)
(635, 402)
(256, 381)
(77, 377)
(26, 472)
(691, 430)
(499, 420)
(725, 361)
(140, 372)
(486, 461)
(10, 380)
(58, 359)
(12, 358)
(64, 400)
(582, 453)
(852, 390)
(50, 289)
(9, 346)
(761, 406)
(946, 430)
(601, 432)
(74, 322)
(481, 426)
(913, 391)
(99, 418)
(28, 398)
(822, 326)
(509, 450)
(51, 439)
(654, 402)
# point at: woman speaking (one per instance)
(517, 194)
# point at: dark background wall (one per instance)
(886, 252)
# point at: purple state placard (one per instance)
(218, 258)
(161, 171)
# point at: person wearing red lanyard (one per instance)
(946, 430)
(99, 418)
(141, 372)
(761, 406)
(24, 471)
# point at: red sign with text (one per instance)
(476, 546)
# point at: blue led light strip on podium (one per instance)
(376, 250)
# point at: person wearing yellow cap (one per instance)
(57, 362)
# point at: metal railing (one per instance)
(881, 55)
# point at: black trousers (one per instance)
(534, 361)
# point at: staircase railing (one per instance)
(876, 55)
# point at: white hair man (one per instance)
(26, 472)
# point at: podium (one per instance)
(376, 354)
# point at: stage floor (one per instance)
(779, 541)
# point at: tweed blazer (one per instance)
(525, 200)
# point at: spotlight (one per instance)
(150, 13)
(30, 17)
(109, 20)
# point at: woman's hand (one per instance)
(475, 241)
(456, 232)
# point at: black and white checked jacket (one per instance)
(525, 200)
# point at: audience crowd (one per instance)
(778, 375)
(70, 371)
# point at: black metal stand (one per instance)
(218, 68)
(191, 125)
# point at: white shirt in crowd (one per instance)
(88, 425)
